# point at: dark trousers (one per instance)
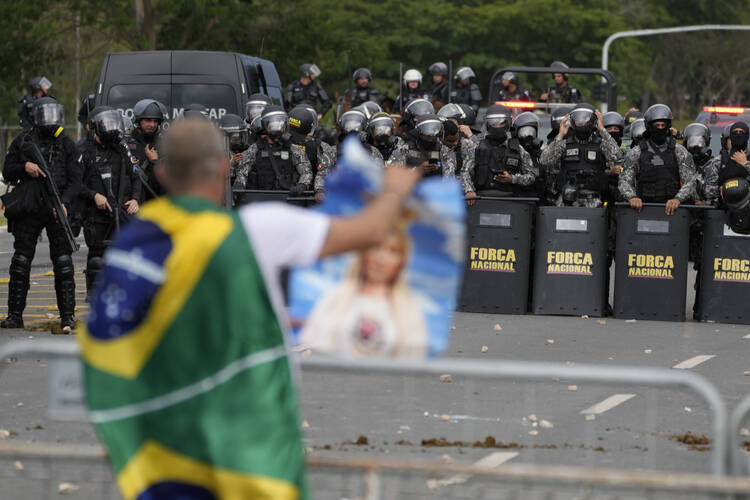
(98, 235)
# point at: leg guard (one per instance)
(65, 285)
(93, 266)
(18, 286)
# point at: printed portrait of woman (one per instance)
(372, 311)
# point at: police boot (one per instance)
(18, 287)
(65, 288)
(93, 266)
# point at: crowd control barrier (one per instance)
(570, 272)
(651, 263)
(725, 272)
(496, 280)
(245, 196)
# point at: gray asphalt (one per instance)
(395, 414)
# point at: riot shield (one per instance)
(725, 272)
(651, 263)
(496, 280)
(571, 269)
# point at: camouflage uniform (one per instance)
(711, 179)
(551, 158)
(468, 147)
(328, 162)
(525, 178)
(299, 160)
(628, 178)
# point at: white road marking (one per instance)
(607, 404)
(465, 417)
(693, 362)
(746, 336)
(491, 461)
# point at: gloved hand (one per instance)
(297, 190)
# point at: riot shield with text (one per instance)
(651, 263)
(570, 269)
(496, 280)
(725, 273)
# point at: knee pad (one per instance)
(20, 266)
(94, 264)
(63, 266)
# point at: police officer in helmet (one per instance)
(636, 131)
(307, 90)
(38, 88)
(255, 105)
(423, 147)
(439, 91)
(697, 139)
(34, 213)
(381, 130)
(501, 166)
(110, 190)
(735, 194)
(511, 90)
(148, 117)
(658, 170)
(410, 89)
(582, 158)
(274, 163)
(413, 110)
(363, 92)
(457, 148)
(237, 133)
(730, 163)
(561, 91)
(303, 123)
(525, 128)
(466, 91)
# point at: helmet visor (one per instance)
(314, 70)
(274, 123)
(49, 114)
(695, 142)
(381, 130)
(430, 128)
(254, 108)
(581, 117)
(351, 124)
(109, 121)
(527, 132)
(497, 120)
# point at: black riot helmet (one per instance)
(302, 121)
(582, 120)
(309, 70)
(614, 119)
(235, 128)
(362, 73)
(429, 128)
(195, 111)
(526, 127)
(697, 139)
(736, 194)
(87, 104)
(148, 109)
(417, 108)
(463, 73)
(107, 124)
(470, 116)
(255, 105)
(381, 128)
(40, 83)
(510, 76)
(632, 116)
(560, 67)
(637, 129)
(725, 136)
(273, 121)
(255, 126)
(658, 113)
(48, 116)
(438, 68)
(497, 121)
(353, 121)
(369, 108)
(451, 111)
(556, 117)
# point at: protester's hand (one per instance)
(740, 157)
(465, 131)
(599, 120)
(636, 203)
(428, 168)
(564, 126)
(320, 196)
(400, 180)
(33, 169)
(504, 178)
(131, 206)
(151, 153)
(101, 202)
(470, 194)
(671, 206)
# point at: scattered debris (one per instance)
(4, 434)
(447, 418)
(601, 321)
(695, 442)
(533, 417)
(403, 442)
(67, 488)
(497, 327)
(550, 341)
(648, 351)
(533, 432)
(545, 424)
(688, 409)
(573, 388)
(485, 348)
(446, 378)
(630, 321)
(37, 427)
(590, 417)
(18, 465)
(19, 404)
(446, 459)
(362, 441)
(585, 316)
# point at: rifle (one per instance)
(401, 86)
(49, 184)
(137, 168)
(450, 78)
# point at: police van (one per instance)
(220, 81)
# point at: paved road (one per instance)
(632, 426)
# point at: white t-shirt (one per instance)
(283, 236)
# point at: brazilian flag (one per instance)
(186, 371)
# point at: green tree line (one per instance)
(66, 40)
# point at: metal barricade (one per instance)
(651, 263)
(725, 272)
(496, 279)
(571, 270)
(739, 439)
(245, 196)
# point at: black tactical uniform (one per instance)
(299, 93)
(439, 93)
(39, 85)
(466, 94)
(363, 94)
(146, 109)
(62, 159)
(106, 171)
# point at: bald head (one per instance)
(192, 158)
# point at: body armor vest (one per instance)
(493, 159)
(274, 167)
(583, 166)
(659, 176)
(730, 169)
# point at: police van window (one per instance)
(124, 97)
(219, 99)
(275, 94)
